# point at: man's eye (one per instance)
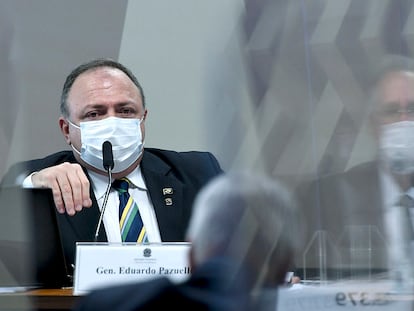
(92, 115)
(127, 111)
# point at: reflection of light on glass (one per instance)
(359, 253)
(362, 250)
(399, 236)
(320, 258)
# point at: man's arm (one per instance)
(59, 172)
(69, 184)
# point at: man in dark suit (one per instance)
(355, 225)
(244, 231)
(103, 101)
(344, 214)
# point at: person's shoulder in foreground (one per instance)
(205, 290)
(244, 232)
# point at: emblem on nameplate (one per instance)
(147, 252)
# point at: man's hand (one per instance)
(69, 185)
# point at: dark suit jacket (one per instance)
(210, 287)
(184, 172)
(347, 211)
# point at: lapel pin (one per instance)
(166, 191)
(168, 201)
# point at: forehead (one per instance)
(103, 81)
(103, 76)
(396, 87)
(103, 86)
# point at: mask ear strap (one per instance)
(74, 125)
(74, 149)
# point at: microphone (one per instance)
(108, 158)
(108, 164)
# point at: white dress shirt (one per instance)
(391, 193)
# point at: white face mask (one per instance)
(123, 133)
(397, 146)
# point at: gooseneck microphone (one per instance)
(108, 164)
(107, 156)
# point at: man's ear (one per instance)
(64, 128)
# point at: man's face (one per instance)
(98, 94)
(395, 98)
(394, 101)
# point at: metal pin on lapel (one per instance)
(168, 201)
(166, 191)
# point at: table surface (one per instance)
(39, 299)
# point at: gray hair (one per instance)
(242, 216)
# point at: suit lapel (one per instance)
(363, 196)
(167, 195)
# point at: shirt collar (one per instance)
(410, 192)
(391, 191)
(136, 179)
(100, 182)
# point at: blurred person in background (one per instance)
(356, 208)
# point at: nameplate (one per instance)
(345, 295)
(105, 264)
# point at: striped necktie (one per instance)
(130, 222)
(400, 242)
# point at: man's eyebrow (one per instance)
(124, 104)
(92, 107)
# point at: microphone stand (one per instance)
(108, 189)
(108, 164)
